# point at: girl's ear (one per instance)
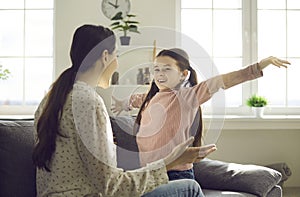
(184, 74)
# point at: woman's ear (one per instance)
(104, 57)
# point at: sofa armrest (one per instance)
(276, 191)
(253, 179)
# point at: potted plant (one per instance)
(4, 73)
(257, 103)
(125, 24)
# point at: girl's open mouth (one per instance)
(161, 81)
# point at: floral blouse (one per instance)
(84, 162)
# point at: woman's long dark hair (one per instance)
(89, 42)
(183, 63)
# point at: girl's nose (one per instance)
(161, 73)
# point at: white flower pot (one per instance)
(258, 111)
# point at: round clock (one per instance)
(111, 7)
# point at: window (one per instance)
(282, 43)
(26, 50)
(236, 33)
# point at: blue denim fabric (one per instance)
(177, 188)
(186, 174)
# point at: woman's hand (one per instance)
(273, 60)
(206, 150)
(117, 106)
(183, 154)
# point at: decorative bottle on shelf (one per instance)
(140, 77)
(147, 76)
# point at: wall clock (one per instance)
(111, 7)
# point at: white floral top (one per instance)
(84, 162)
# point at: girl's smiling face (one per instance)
(166, 73)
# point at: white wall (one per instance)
(69, 14)
(262, 147)
(246, 146)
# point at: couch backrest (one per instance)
(127, 150)
(17, 173)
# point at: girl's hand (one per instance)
(183, 154)
(273, 60)
(117, 106)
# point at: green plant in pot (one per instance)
(257, 103)
(4, 73)
(124, 24)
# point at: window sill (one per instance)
(16, 117)
(229, 122)
(267, 122)
(7, 110)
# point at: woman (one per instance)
(74, 152)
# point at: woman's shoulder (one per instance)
(40, 107)
(84, 93)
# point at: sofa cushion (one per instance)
(254, 179)
(16, 168)
(127, 150)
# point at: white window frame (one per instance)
(249, 19)
(24, 110)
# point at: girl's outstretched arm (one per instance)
(134, 101)
(206, 89)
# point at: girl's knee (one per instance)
(194, 185)
(189, 186)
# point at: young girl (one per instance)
(169, 109)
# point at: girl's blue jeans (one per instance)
(186, 174)
(177, 188)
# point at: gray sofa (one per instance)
(217, 178)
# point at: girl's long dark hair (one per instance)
(89, 42)
(183, 63)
